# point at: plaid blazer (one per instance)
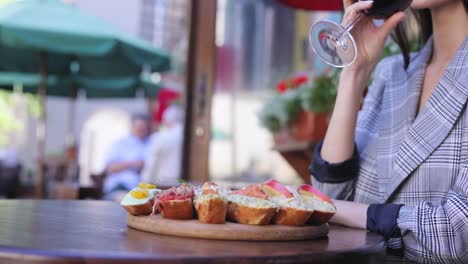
(416, 159)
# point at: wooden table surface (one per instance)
(96, 232)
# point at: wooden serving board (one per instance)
(228, 231)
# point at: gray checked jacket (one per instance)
(416, 159)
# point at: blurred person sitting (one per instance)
(9, 157)
(163, 160)
(125, 159)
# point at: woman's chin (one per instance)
(423, 4)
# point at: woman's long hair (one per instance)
(424, 31)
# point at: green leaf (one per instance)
(292, 105)
(319, 96)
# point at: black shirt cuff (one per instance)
(333, 172)
(382, 219)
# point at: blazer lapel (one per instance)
(434, 122)
(399, 110)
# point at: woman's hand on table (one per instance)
(350, 214)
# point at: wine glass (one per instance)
(335, 45)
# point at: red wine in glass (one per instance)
(334, 43)
(385, 8)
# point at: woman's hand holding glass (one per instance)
(358, 37)
(369, 38)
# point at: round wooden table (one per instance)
(96, 232)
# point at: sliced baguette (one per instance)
(323, 206)
(320, 218)
(292, 216)
(323, 211)
(291, 212)
(211, 209)
(139, 209)
(177, 209)
(249, 215)
(250, 210)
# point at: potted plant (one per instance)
(317, 101)
(280, 112)
(300, 108)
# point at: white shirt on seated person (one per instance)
(164, 155)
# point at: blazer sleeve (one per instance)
(337, 179)
(438, 233)
(324, 171)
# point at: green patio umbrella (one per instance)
(93, 87)
(67, 34)
(49, 36)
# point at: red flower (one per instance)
(299, 80)
(290, 83)
(282, 87)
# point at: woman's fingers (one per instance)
(347, 3)
(352, 10)
(358, 6)
(392, 22)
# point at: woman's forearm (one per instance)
(350, 214)
(338, 144)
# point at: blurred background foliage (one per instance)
(9, 122)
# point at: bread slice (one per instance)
(292, 216)
(291, 211)
(250, 210)
(177, 209)
(320, 218)
(211, 209)
(139, 209)
(249, 215)
(323, 211)
(138, 201)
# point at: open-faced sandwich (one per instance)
(256, 204)
(250, 206)
(323, 206)
(291, 211)
(176, 202)
(139, 201)
(211, 205)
